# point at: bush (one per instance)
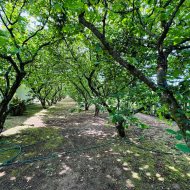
(17, 107)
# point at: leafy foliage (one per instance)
(123, 57)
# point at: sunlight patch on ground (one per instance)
(118, 159)
(110, 177)
(160, 178)
(129, 152)
(65, 169)
(88, 157)
(28, 178)
(172, 168)
(76, 123)
(36, 120)
(125, 164)
(2, 174)
(126, 169)
(32, 122)
(135, 175)
(94, 132)
(129, 183)
(99, 122)
(148, 174)
(12, 178)
(144, 167)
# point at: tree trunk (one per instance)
(86, 106)
(97, 111)
(175, 109)
(49, 102)
(43, 103)
(120, 129)
(4, 103)
(167, 97)
(177, 114)
(2, 121)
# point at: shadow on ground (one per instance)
(89, 156)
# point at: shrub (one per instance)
(17, 107)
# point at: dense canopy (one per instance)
(120, 56)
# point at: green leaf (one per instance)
(98, 47)
(188, 134)
(14, 50)
(179, 137)
(143, 126)
(170, 131)
(3, 40)
(183, 148)
(58, 8)
(126, 125)
(117, 118)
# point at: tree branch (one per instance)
(14, 6)
(105, 16)
(115, 54)
(40, 29)
(39, 48)
(11, 61)
(20, 11)
(7, 80)
(144, 25)
(178, 46)
(169, 23)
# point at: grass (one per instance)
(13, 121)
(143, 168)
(35, 142)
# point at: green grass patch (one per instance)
(33, 143)
(13, 121)
(142, 167)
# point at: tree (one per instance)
(24, 33)
(154, 28)
(45, 78)
(95, 78)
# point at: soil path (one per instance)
(95, 168)
(34, 121)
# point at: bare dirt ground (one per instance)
(90, 156)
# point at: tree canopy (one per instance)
(121, 56)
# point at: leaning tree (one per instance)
(26, 28)
(159, 27)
